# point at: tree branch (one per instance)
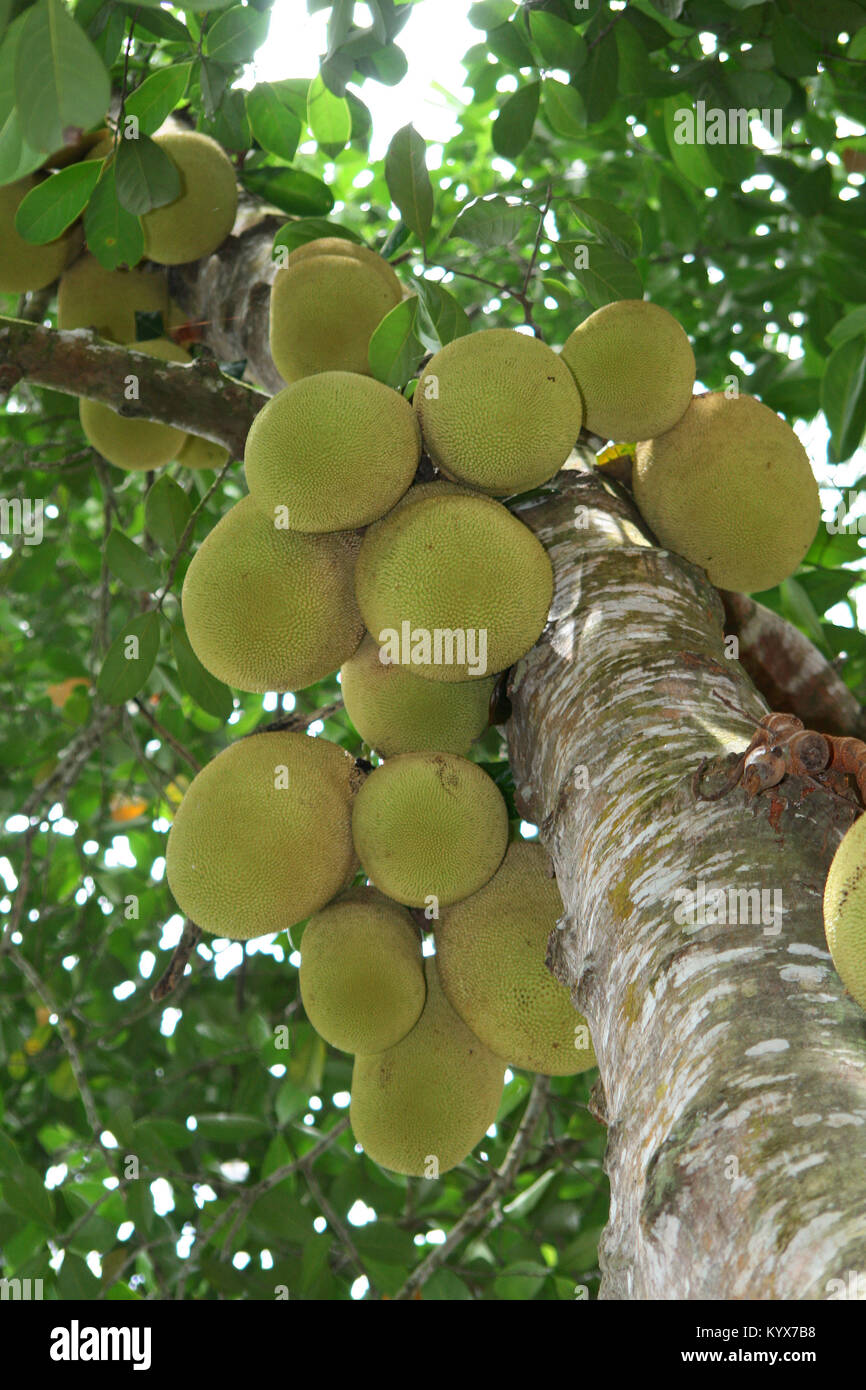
(499, 1183)
(198, 398)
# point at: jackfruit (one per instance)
(455, 585)
(334, 451)
(23, 265)
(845, 910)
(396, 712)
(89, 296)
(429, 826)
(635, 369)
(731, 489)
(199, 221)
(325, 303)
(127, 441)
(498, 410)
(491, 950)
(421, 1106)
(362, 972)
(202, 453)
(262, 837)
(267, 609)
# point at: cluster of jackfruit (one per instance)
(336, 546)
(90, 296)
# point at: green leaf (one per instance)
(512, 129)
(491, 222)
(559, 44)
(61, 83)
(606, 277)
(527, 1200)
(798, 608)
(408, 180)
(145, 176)
(291, 190)
(306, 229)
(167, 510)
(610, 224)
(158, 96)
(328, 116)
(10, 1159)
(129, 563)
(230, 1127)
(274, 125)
(445, 1286)
(563, 108)
(851, 326)
(598, 80)
(692, 160)
(129, 660)
(237, 35)
(388, 65)
(843, 399)
(489, 14)
(53, 205)
(114, 236)
(205, 689)
(25, 1193)
(446, 315)
(520, 1281)
(17, 157)
(395, 346)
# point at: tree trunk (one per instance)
(733, 1064)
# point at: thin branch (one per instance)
(499, 1183)
(187, 532)
(337, 1225)
(166, 736)
(178, 963)
(197, 398)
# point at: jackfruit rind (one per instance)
(397, 712)
(362, 972)
(845, 910)
(262, 837)
(429, 826)
(421, 1106)
(325, 305)
(89, 296)
(456, 564)
(491, 950)
(267, 609)
(730, 487)
(199, 221)
(635, 369)
(128, 441)
(24, 265)
(335, 450)
(198, 452)
(499, 410)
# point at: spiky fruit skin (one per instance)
(845, 910)
(24, 265)
(730, 488)
(325, 304)
(335, 450)
(491, 950)
(635, 369)
(266, 609)
(455, 563)
(362, 972)
(429, 825)
(262, 837)
(421, 1106)
(498, 410)
(202, 453)
(396, 712)
(127, 441)
(89, 296)
(199, 221)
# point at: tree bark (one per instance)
(733, 1063)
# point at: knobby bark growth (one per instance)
(733, 1063)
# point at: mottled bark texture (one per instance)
(733, 1063)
